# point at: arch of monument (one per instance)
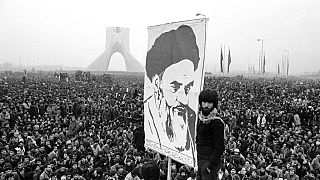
(117, 40)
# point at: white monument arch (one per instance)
(117, 40)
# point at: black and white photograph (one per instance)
(159, 90)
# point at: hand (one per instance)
(208, 170)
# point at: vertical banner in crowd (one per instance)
(264, 64)
(173, 80)
(221, 60)
(229, 60)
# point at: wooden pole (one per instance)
(169, 169)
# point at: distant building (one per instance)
(117, 40)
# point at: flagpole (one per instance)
(285, 62)
(283, 65)
(205, 44)
(286, 53)
(288, 62)
(224, 57)
(229, 59)
(221, 59)
(173, 22)
(261, 54)
(169, 169)
(259, 62)
(264, 63)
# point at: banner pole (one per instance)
(169, 169)
(204, 54)
(174, 22)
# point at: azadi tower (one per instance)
(117, 41)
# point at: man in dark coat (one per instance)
(210, 136)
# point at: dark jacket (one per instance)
(210, 141)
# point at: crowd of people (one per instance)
(272, 127)
(94, 129)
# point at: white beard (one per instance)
(180, 129)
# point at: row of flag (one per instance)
(221, 61)
(283, 66)
(263, 66)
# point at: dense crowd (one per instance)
(94, 129)
(272, 127)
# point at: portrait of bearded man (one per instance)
(170, 67)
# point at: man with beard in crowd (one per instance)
(210, 136)
(46, 173)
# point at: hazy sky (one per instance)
(72, 32)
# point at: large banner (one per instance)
(173, 80)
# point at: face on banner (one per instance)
(172, 70)
(175, 86)
(177, 80)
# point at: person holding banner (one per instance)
(210, 136)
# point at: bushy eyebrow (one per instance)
(176, 83)
(190, 84)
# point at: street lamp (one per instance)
(261, 55)
(261, 44)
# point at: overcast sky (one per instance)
(72, 32)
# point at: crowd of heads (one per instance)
(94, 130)
(272, 127)
(64, 130)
